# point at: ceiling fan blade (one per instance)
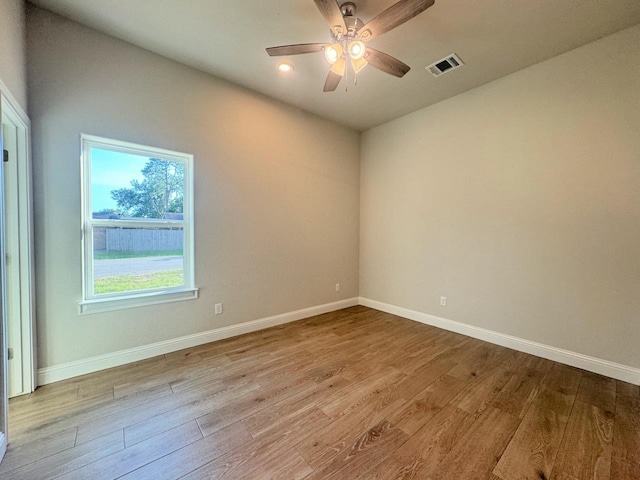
(331, 12)
(392, 17)
(296, 49)
(386, 63)
(332, 82)
(335, 75)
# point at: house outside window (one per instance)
(137, 225)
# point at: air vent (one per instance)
(445, 65)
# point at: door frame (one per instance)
(19, 119)
(4, 384)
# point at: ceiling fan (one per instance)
(349, 35)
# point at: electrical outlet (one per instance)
(337, 287)
(218, 310)
(443, 301)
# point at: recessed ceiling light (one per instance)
(285, 67)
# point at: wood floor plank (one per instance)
(51, 391)
(532, 451)
(82, 416)
(564, 379)
(483, 388)
(263, 398)
(475, 358)
(598, 390)
(243, 463)
(280, 413)
(122, 418)
(25, 405)
(325, 443)
(362, 453)
(146, 429)
(195, 455)
(44, 447)
(562, 476)
(340, 401)
(523, 386)
(625, 462)
(475, 455)
(424, 451)
(417, 411)
(235, 373)
(269, 456)
(585, 451)
(48, 411)
(130, 459)
(452, 347)
(91, 385)
(69, 460)
(280, 369)
(96, 394)
(627, 389)
(422, 377)
(409, 363)
(168, 375)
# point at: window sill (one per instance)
(132, 301)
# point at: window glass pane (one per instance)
(126, 186)
(130, 259)
(136, 220)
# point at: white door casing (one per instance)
(19, 247)
(4, 394)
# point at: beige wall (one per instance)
(519, 201)
(276, 189)
(12, 49)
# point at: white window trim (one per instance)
(92, 303)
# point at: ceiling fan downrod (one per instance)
(349, 11)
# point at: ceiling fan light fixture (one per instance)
(339, 67)
(333, 52)
(358, 64)
(356, 49)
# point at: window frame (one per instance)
(94, 303)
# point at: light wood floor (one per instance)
(354, 394)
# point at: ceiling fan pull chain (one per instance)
(346, 79)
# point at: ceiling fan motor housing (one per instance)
(348, 9)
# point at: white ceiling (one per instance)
(228, 38)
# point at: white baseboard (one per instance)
(585, 362)
(89, 365)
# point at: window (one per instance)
(137, 224)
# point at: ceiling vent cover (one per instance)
(445, 65)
